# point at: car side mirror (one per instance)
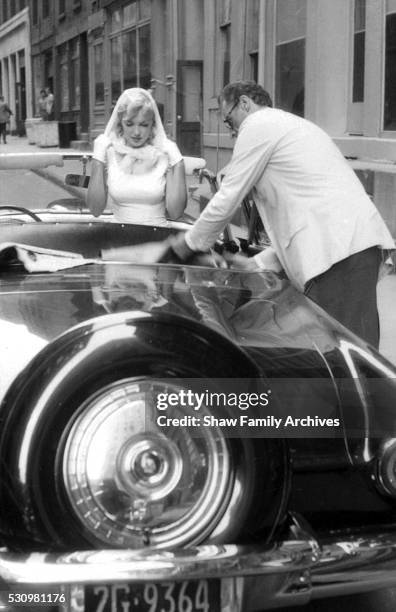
(77, 180)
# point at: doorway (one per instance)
(189, 107)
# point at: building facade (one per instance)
(331, 62)
(15, 66)
(59, 53)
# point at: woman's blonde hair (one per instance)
(132, 107)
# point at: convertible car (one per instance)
(179, 438)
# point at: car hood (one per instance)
(257, 311)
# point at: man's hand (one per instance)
(241, 262)
(180, 247)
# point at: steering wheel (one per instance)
(23, 210)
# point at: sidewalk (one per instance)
(386, 288)
(19, 144)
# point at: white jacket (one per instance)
(313, 206)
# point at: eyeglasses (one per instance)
(227, 119)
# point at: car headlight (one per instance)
(132, 483)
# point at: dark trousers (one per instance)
(348, 292)
(3, 131)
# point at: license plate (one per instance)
(186, 596)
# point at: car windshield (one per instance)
(53, 184)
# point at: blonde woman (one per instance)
(137, 165)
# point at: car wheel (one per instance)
(87, 465)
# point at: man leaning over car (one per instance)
(325, 232)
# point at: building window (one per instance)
(252, 37)
(64, 78)
(224, 17)
(390, 68)
(13, 8)
(226, 53)
(225, 11)
(130, 47)
(75, 73)
(116, 70)
(290, 55)
(98, 73)
(129, 59)
(34, 11)
(37, 75)
(49, 70)
(144, 56)
(46, 8)
(61, 8)
(254, 66)
(358, 51)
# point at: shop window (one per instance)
(290, 55)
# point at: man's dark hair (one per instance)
(233, 91)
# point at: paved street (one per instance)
(386, 288)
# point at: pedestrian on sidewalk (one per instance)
(50, 100)
(5, 114)
(42, 104)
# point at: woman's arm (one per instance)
(97, 188)
(176, 190)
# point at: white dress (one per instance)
(136, 183)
